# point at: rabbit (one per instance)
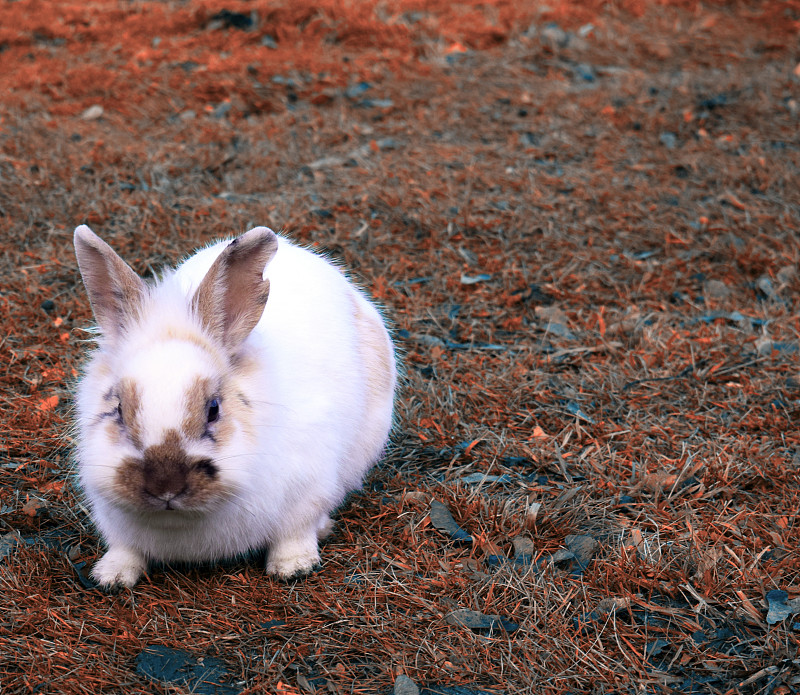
(229, 406)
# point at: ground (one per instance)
(581, 219)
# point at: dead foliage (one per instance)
(582, 220)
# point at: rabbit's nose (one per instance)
(164, 480)
(165, 469)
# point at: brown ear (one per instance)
(115, 291)
(232, 295)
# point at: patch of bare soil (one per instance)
(581, 219)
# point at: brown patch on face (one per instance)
(236, 409)
(113, 431)
(196, 399)
(236, 403)
(233, 408)
(187, 336)
(165, 477)
(130, 404)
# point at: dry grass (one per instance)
(588, 246)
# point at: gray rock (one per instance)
(403, 685)
(716, 289)
(669, 140)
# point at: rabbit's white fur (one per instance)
(305, 409)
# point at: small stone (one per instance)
(786, 274)
(221, 110)
(403, 685)
(585, 72)
(356, 90)
(522, 545)
(764, 283)
(716, 289)
(554, 34)
(388, 144)
(92, 113)
(669, 140)
(562, 556)
(48, 305)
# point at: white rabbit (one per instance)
(211, 421)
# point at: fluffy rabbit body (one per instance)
(229, 406)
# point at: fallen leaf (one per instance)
(33, 507)
(48, 403)
(523, 550)
(612, 603)
(583, 549)
(473, 478)
(8, 543)
(780, 607)
(475, 620)
(167, 665)
(456, 47)
(472, 279)
(533, 512)
(443, 520)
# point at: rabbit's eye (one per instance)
(119, 412)
(213, 410)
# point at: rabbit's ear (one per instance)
(232, 295)
(115, 291)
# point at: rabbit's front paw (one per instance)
(119, 567)
(292, 558)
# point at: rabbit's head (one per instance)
(165, 425)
